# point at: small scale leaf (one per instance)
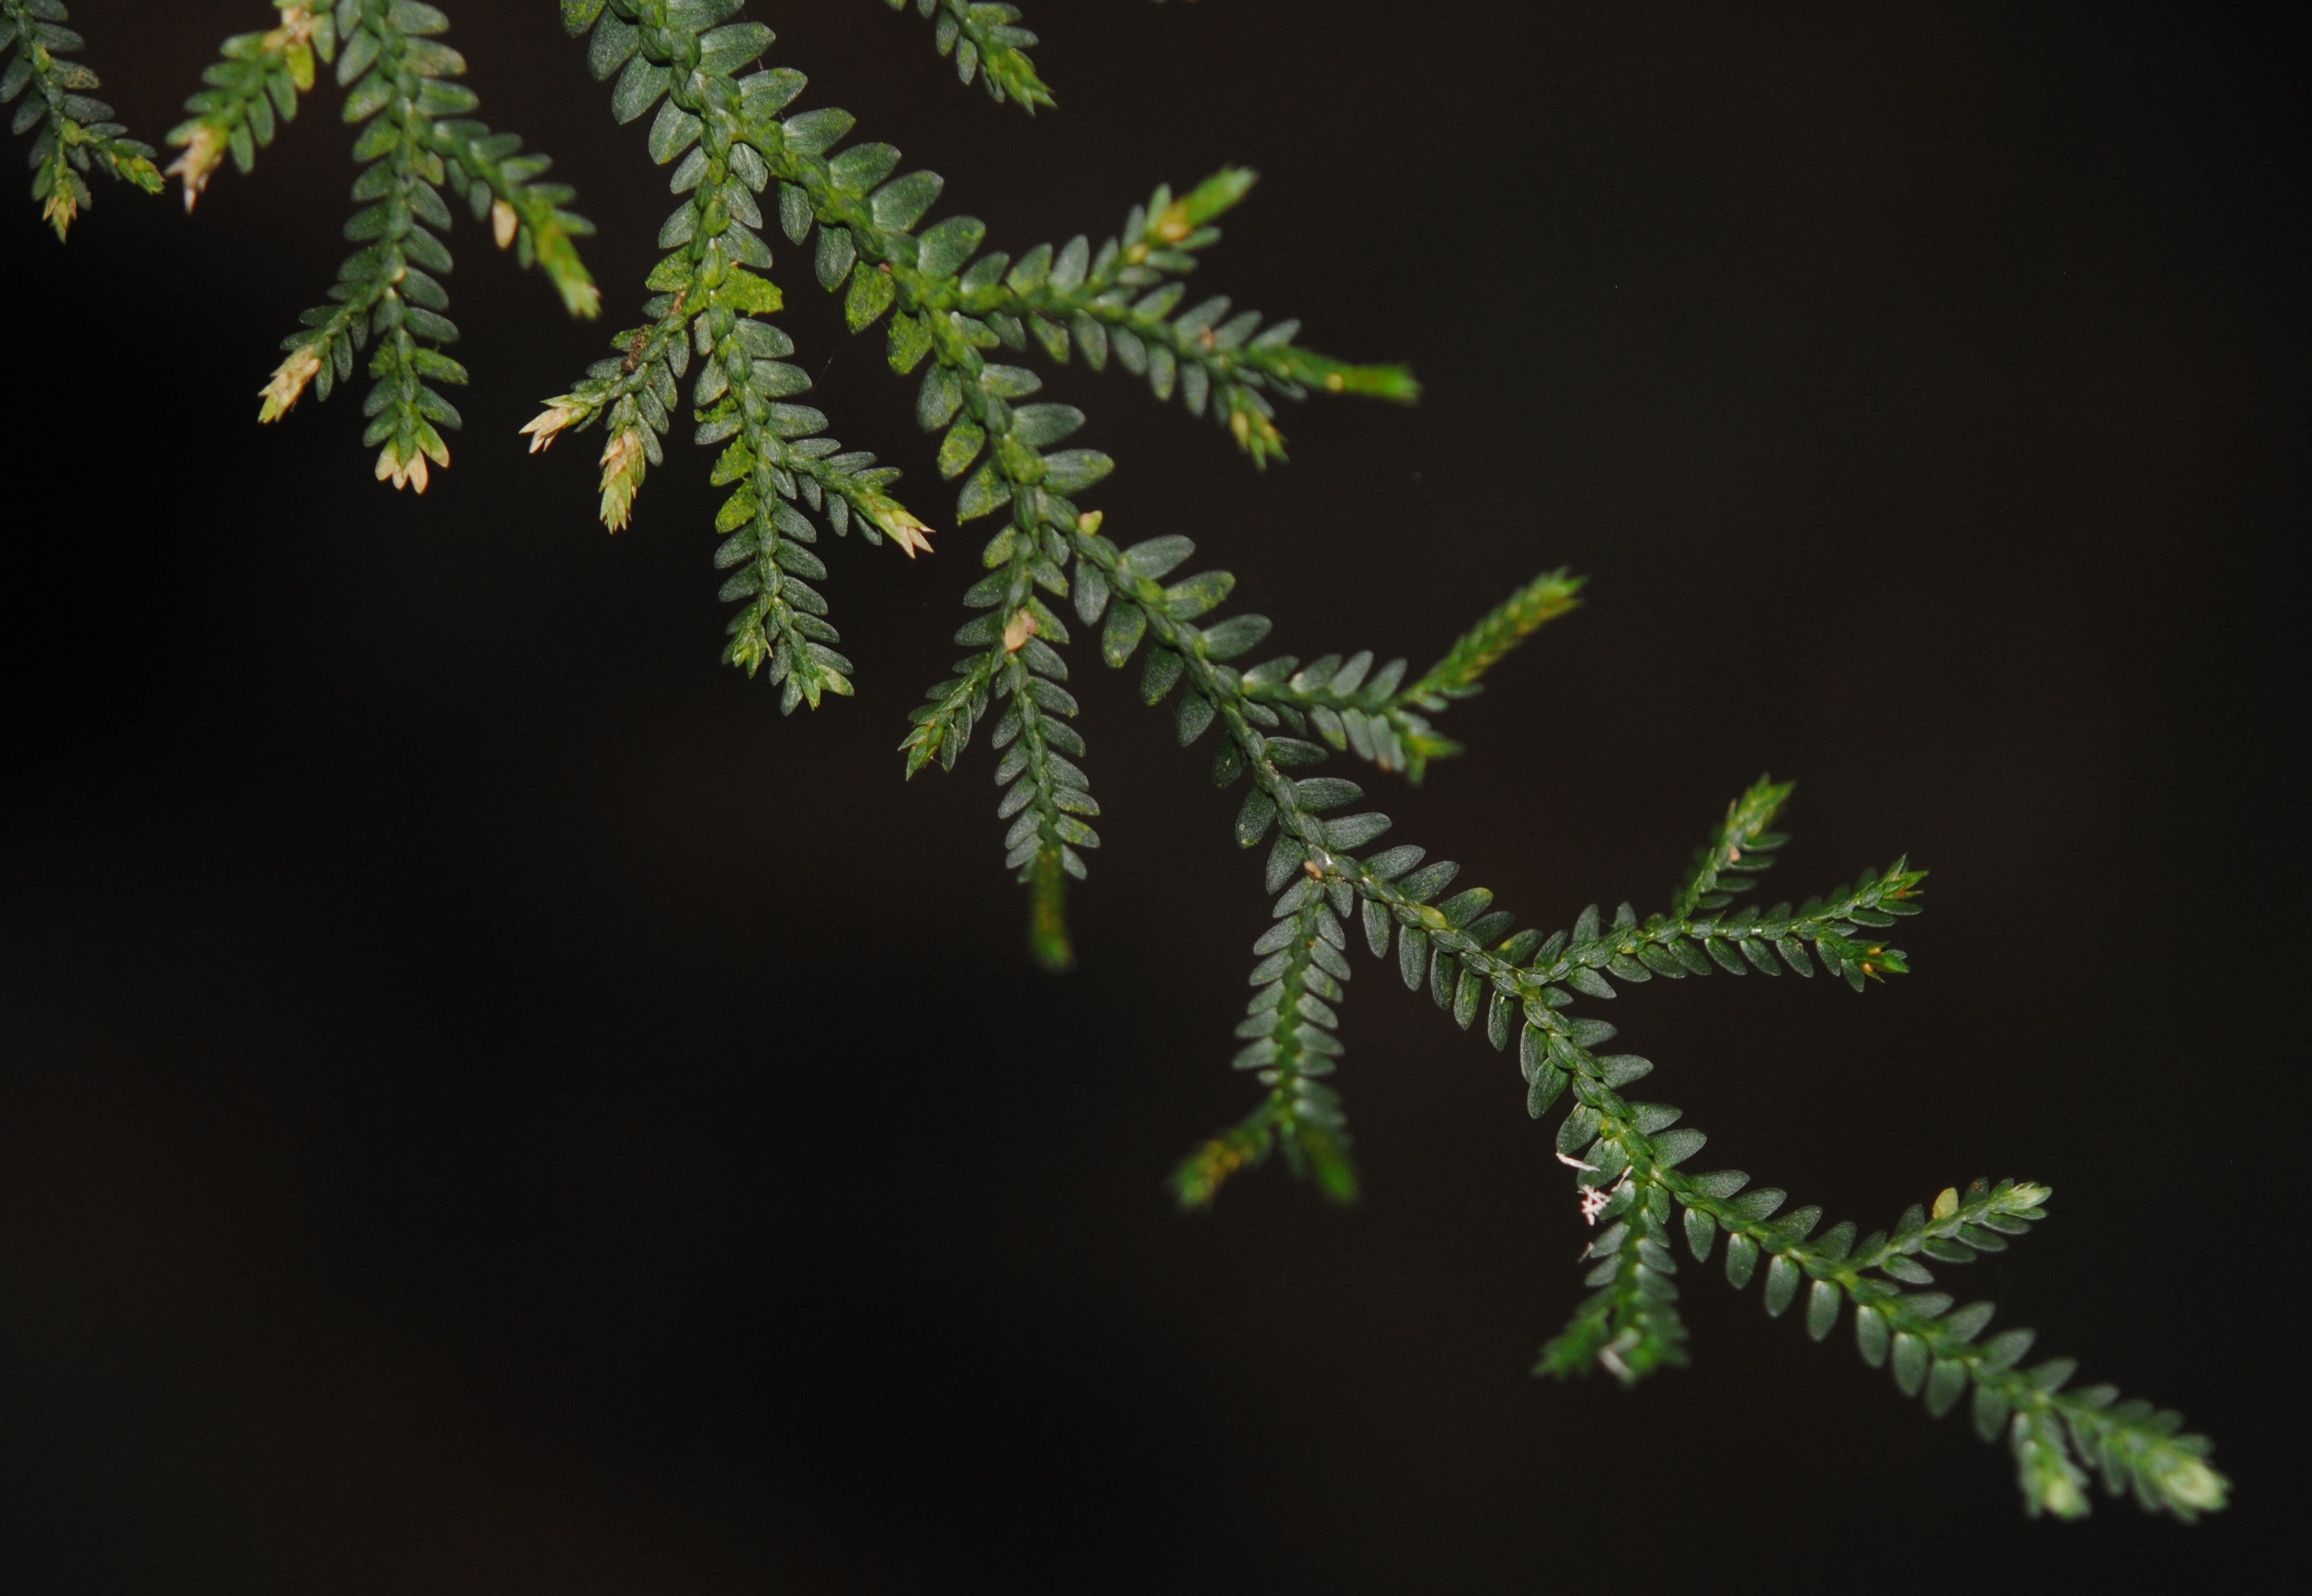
(1822, 1308)
(1782, 1277)
(1991, 1409)
(1673, 1147)
(1533, 1051)
(1160, 675)
(1577, 1129)
(1701, 1234)
(1910, 1363)
(1253, 820)
(1870, 1335)
(1412, 955)
(1945, 1381)
(1157, 556)
(1548, 1083)
(1126, 625)
(1377, 928)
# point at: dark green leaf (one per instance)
(1782, 1277)
(1822, 1308)
(1945, 1381)
(1870, 1334)
(1701, 1234)
(1910, 1362)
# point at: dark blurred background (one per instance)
(488, 1106)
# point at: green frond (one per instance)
(1629, 1326)
(949, 301)
(1482, 647)
(986, 42)
(1628, 1157)
(1311, 1151)
(951, 307)
(416, 138)
(77, 133)
(257, 80)
(1289, 1048)
(1626, 1154)
(1938, 1351)
(943, 727)
(745, 160)
(1356, 708)
(1350, 706)
(1741, 847)
(1374, 714)
(1123, 301)
(1197, 1180)
(716, 126)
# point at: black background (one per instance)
(488, 1106)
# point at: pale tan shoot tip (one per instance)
(549, 424)
(623, 460)
(288, 382)
(411, 472)
(203, 152)
(901, 525)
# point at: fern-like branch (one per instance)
(951, 314)
(948, 311)
(1930, 1347)
(988, 42)
(415, 137)
(1356, 708)
(78, 132)
(253, 89)
(1627, 1153)
(950, 308)
(1290, 1023)
(1119, 301)
(1630, 1324)
(684, 56)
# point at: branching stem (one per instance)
(78, 132)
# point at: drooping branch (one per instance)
(950, 311)
(77, 133)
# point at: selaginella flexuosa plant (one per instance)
(755, 165)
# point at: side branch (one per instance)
(987, 43)
(1358, 709)
(415, 139)
(1118, 300)
(258, 79)
(713, 127)
(1290, 1047)
(78, 132)
(1935, 1348)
